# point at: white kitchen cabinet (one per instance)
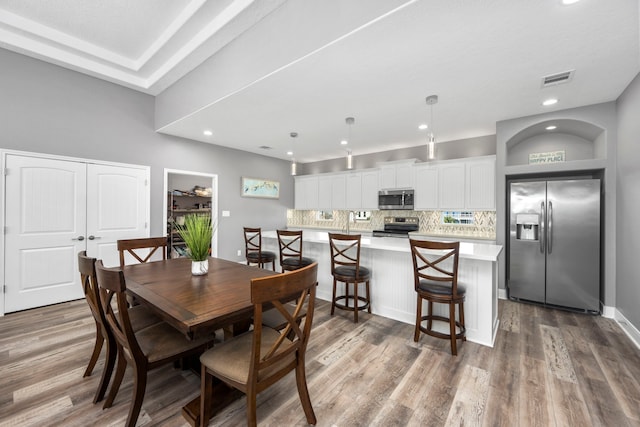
(362, 190)
(451, 185)
(306, 192)
(426, 186)
(324, 193)
(396, 174)
(370, 189)
(339, 191)
(480, 189)
(331, 192)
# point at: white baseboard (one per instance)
(608, 312)
(502, 293)
(632, 332)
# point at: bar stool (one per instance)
(253, 249)
(290, 242)
(435, 267)
(345, 267)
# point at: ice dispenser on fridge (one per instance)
(527, 227)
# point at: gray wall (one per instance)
(628, 203)
(48, 109)
(471, 147)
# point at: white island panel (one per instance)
(392, 290)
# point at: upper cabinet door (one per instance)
(387, 177)
(339, 191)
(426, 187)
(370, 189)
(354, 191)
(481, 184)
(451, 186)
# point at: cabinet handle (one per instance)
(80, 238)
(92, 237)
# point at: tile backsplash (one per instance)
(484, 226)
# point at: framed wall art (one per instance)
(258, 187)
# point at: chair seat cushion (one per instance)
(161, 341)
(350, 272)
(266, 256)
(439, 288)
(231, 359)
(295, 262)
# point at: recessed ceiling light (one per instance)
(344, 142)
(207, 133)
(289, 153)
(549, 102)
(552, 127)
(570, 1)
(423, 126)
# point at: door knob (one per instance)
(92, 237)
(81, 238)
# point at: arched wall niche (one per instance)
(579, 140)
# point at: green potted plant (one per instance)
(196, 233)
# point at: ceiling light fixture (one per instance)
(207, 133)
(431, 139)
(550, 101)
(423, 126)
(350, 121)
(552, 127)
(567, 2)
(294, 165)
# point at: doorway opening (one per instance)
(189, 192)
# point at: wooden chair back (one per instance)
(113, 286)
(275, 291)
(436, 262)
(253, 241)
(87, 267)
(345, 251)
(290, 243)
(135, 247)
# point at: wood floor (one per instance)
(548, 368)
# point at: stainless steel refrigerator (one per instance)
(554, 242)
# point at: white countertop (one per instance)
(478, 251)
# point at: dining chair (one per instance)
(143, 350)
(435, 267)
(345, 267)
(253, 361)
(141, 249)
(140, 319)
(253, 249)
(290, 244)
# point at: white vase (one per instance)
(199, 268)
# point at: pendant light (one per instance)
(431, 139)
(294, 166)
(350, 121)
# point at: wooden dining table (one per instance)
(196, 305)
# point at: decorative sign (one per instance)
(548, 157)
(257, 187)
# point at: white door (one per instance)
(45, 222)
(57, 208)
(117, 205)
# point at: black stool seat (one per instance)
(266, 256)
(350, 273)
(295, 263)
(440, 288)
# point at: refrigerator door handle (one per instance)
(541, 222)
(550, 220)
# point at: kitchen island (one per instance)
(392, 292)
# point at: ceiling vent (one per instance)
(265, 147)
(558, 78)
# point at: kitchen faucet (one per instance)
(350, 214)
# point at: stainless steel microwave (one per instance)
(395, 199)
